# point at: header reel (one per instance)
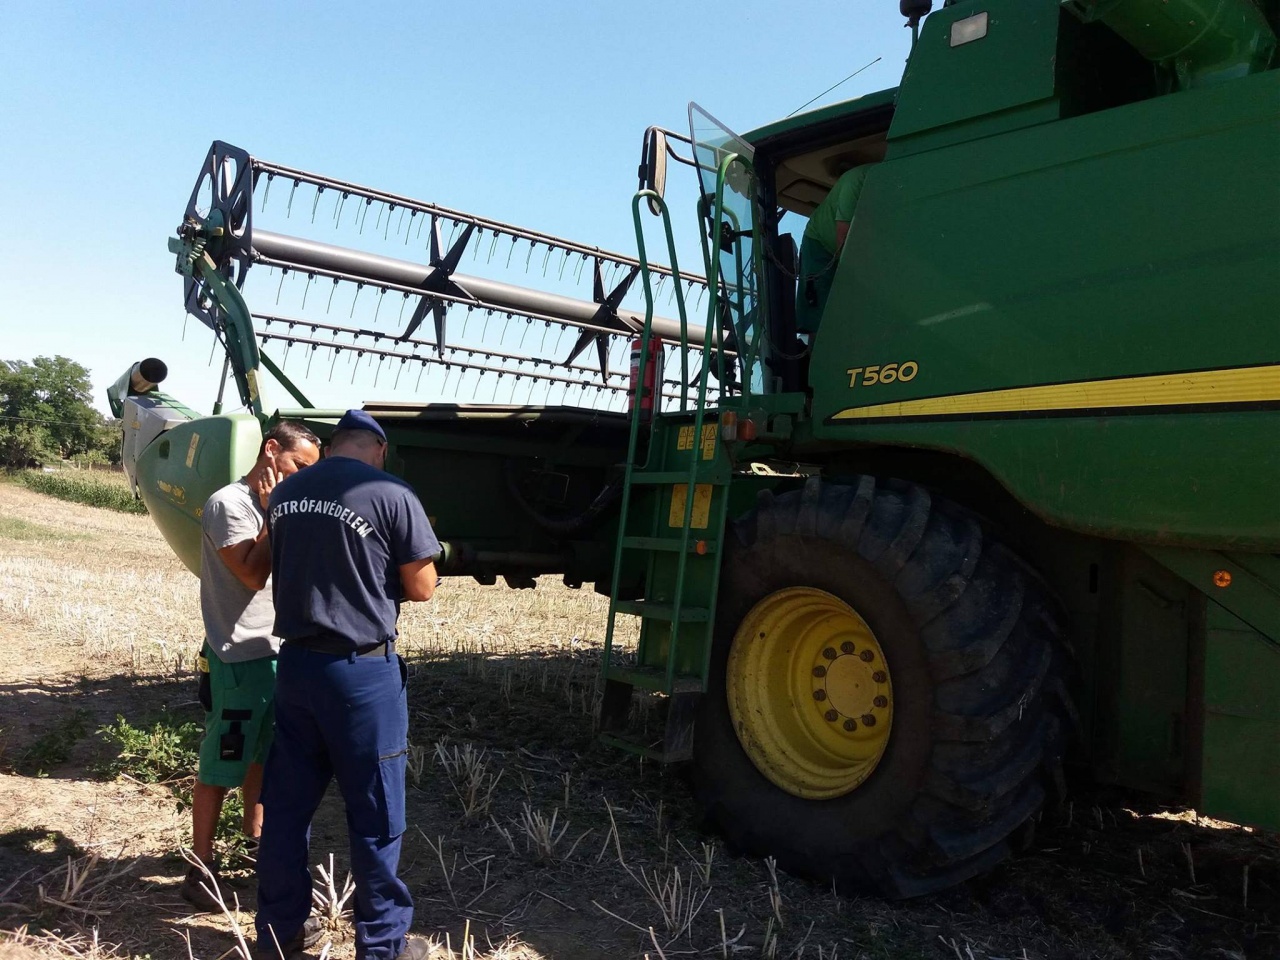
(493, 345)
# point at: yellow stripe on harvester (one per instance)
(1239, 385)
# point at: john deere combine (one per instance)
(1014, 501)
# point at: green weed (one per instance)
(83, 487)
(53, 747)
(166, 748)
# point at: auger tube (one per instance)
(303, 254)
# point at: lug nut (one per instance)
(867, 655)
(881, 701)
(846, 647)
(869, 719)
(819, 671)
(831, 716)
(851, 724)
(819, 695)
(879, 676)
(829, 653)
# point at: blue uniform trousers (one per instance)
(343, 717)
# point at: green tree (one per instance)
(45, 412)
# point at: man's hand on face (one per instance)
(266, 482)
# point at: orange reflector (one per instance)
(747, 430)
(728, 425)
(700, 548)
(1222, 578)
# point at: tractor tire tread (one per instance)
(1000, 716)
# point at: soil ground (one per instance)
(527, 839)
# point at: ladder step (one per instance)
(652, 678)
(662, 477)
(669, 544)
(662, 611)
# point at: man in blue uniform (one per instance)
(349, 542)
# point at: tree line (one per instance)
(46, 415)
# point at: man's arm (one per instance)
(250, 560)
(842, 232)
(418, 579)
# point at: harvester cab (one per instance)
(1014, 491)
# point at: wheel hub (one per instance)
(809, 693)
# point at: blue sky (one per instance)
(530, 113)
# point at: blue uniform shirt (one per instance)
(340, 531)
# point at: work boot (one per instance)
(310, 934)
(197, 889)
(415, 948)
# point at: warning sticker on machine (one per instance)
(708, 441)
(701, 506)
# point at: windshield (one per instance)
(735, 307)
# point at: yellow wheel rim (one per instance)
(809, 693)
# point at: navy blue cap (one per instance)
(359, 420)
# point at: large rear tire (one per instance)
(930, 789)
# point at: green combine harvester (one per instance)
(1013, 503)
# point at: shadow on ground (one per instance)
(522, 825)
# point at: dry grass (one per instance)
(532, 842)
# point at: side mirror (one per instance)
(915, 10)
(653, 166)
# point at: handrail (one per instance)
(656, 202)
(699, 416)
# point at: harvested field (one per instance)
(528, 839)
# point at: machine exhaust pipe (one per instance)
(147, 374)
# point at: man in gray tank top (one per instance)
(240, 649)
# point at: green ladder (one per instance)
(671, 523)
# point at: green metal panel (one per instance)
(182, 467)
(1086, 251)
(1143, 674)
(1246, 584)
(1009, 69)
(1241, 764)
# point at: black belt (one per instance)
(337, 647)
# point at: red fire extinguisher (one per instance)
(645, 387)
